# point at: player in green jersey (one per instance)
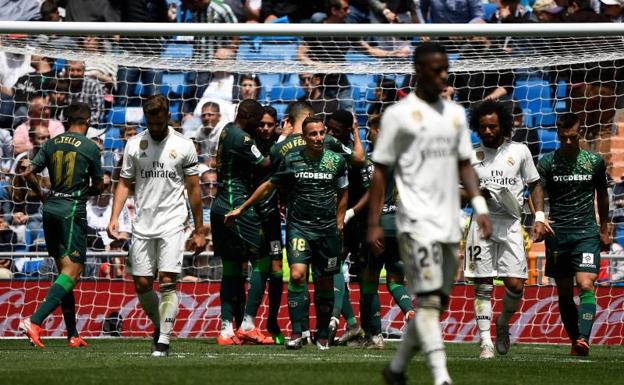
(317, 199)
(73, 162)
(237, 157)
(572, 177)
(390, 259)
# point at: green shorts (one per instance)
(241, 242)
(66, 235)
(571, 253)
(389, 259)
(272, 229)
(322, 250)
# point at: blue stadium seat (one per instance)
(286, 93)
(358, 57)
(118, 115)
(112, 138)
(178, 50)
(269, 81)
(281, 110)
(488, 10)
(549, 140)
(362, 81)
(31, 236)
(173, 84)
(533, 95)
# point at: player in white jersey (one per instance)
(161, 163)
(426, 140)
(505, 169)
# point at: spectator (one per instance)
(547, 11)
(103, 71)
(59, 97)
(322, 49)
(126, 132)
(246, 11)
(249, 87)
(395, 11)
(92, 10)
(613, 10)
(86, 89)
(6, 149)
(12, 67)
(22, 10)
(510, 11)
(581, 11)
(315, 95)
(455, 12)
(50, 11)
(208, 135)
(38, 116)
(296, 11)
(385, 96)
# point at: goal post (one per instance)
(543, 70)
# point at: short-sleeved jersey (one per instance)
(74, 163)
(510, 165)
(312, 185)
(237, 155)
(571, 186)
(359, 179)
(295, 142)
(388, 215)
(424, 143)
(159, 170)
(267, 207)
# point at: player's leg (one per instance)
(395, 278)
(325, 264)
(248, 331)
(299, 257)
(273, 234)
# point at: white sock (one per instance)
(168, 311)
(430, 336)
(511, 304)
(249, 323)
(305, 334)
(407, 348)
(149, 302)
(483, 312)
(227, 330)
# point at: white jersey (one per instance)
(510, 165)
(424, 144)
(159, 169)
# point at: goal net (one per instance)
(202, 71)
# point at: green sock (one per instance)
(339, 292)
(63, 285)
(230, 291)
(569, 316)
(323, 303)
(370, 310)
(347, 307)
(259, 276)
(276, 287)
(68, 305)
(401, 297)
(296, 304)
(305, 320)
(587, 313)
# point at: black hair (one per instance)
(425, 49)
(297, 109)
(311, 120)
(155, 104)
(567, 120)
(251, 111)
(343, 117)
(48, 7)
(212, 105)
(78, 113)
(272, 112)
(487, 107)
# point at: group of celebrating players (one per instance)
(333, 195)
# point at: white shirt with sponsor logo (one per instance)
(510, 165)
(424, 144)
(159, 169)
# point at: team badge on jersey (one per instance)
(247, 139)
(456, 123)
(143, 145)
(480, 156)
(511, 161)
(173, 154)
(417, 116)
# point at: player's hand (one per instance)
(231, 216)
(485, 226)
(349, 214)
(340, 227)
(113, 229)
(198, 240)
(375, 239)
(485, 193)
(605, 240)
(540, 231)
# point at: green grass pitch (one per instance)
(122, 361)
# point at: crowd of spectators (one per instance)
(34, 90)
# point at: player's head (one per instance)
(339, 125)
(569, 131)
(373, 125)
(78, 116)
(156, 111)
(266, 129)
(431, 67)
(249, 115)
(313, 133)
(492, 121)
(296, 113)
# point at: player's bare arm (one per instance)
(262, 192)
(375, 233)
(540, 227)
(343, 199)
(358, 158)
(602, 200)
(199, 234)
(119, 200)
(33, 182)
(471, 185)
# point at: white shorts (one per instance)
(157, 254)
(429, 266)
(503, 255)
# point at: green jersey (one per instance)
(266, 208)
(313, 185)
(73, 163)
(391, 199)
(571, 186)
(237, 155)
(295, 142)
